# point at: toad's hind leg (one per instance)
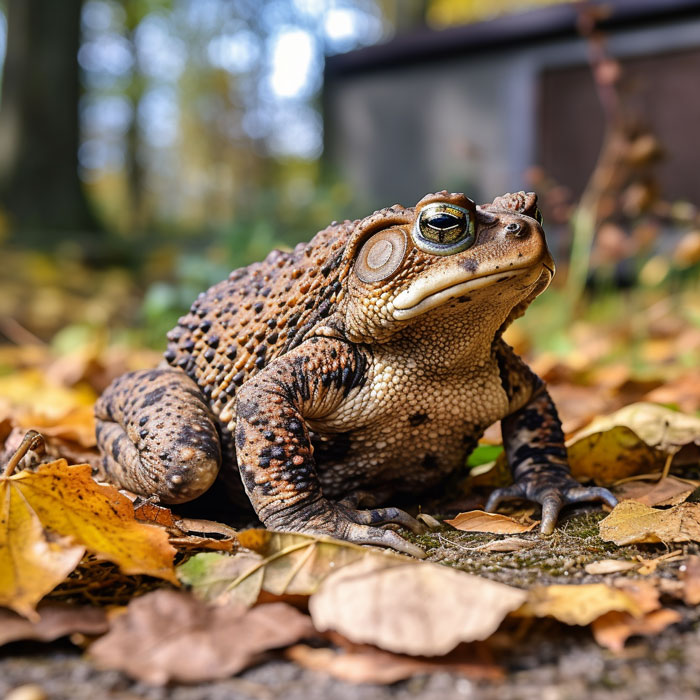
(157, 435)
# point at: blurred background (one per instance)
(148, 147)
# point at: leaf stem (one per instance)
(31, 441)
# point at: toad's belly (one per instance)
(382, 457)
(409, 438)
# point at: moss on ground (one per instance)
(558, 558)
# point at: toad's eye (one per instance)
(443, 229)
(381, 255)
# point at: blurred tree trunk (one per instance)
(135, 176)
(40, 190)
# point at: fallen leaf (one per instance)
(186, 543)
(634, 440)
(644, 592)
(50, 516)
(54, 620)
(691, 580)
(412, 608)
(577, 604)
(69, 502)
(610, 455)
(28, 392)
(649, 566)
(429, 520)
(76, 425)
(32, 560)
(171, 636)
(152, 513)
(481, 521)
(658, 426)
(610, 566)
(509, 544)
(206, 528)
(614, 628)
(188, 534)
(631, 522)
(280, 564)
(668, 491)
(684, 391)
(367, 664)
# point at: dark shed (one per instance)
(471, 108)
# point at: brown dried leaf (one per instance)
(631, 522)
(55, 620)
(644, 592)
(187, 534)
(367, 664)
(481, 521)
(509, 544)
(187, 543)
(171, 636)
(280, 564)
(668, 491)
(206, 528)
(412, 608)
(614, 628)
(77, 425)
(610, 566)
(577, 604)
(152, 513)
(691, 580)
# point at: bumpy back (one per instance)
(238, 326)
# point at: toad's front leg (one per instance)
(534, 444)
(274, 453)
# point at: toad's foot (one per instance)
(357, 526)
(552, 493)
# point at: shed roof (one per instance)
(552, 22)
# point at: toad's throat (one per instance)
(428, 293)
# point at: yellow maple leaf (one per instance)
(49, 517)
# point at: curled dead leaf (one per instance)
(411, 608)
(481, 521)
(613, 629)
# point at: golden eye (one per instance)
(443, 229)
(381, 255)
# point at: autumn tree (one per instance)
(40, 189)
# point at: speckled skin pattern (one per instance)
(347, 371)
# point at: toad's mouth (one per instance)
(428, 293)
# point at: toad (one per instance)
(362, 365)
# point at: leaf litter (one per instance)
(262, 569)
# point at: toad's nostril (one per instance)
(515, 229)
